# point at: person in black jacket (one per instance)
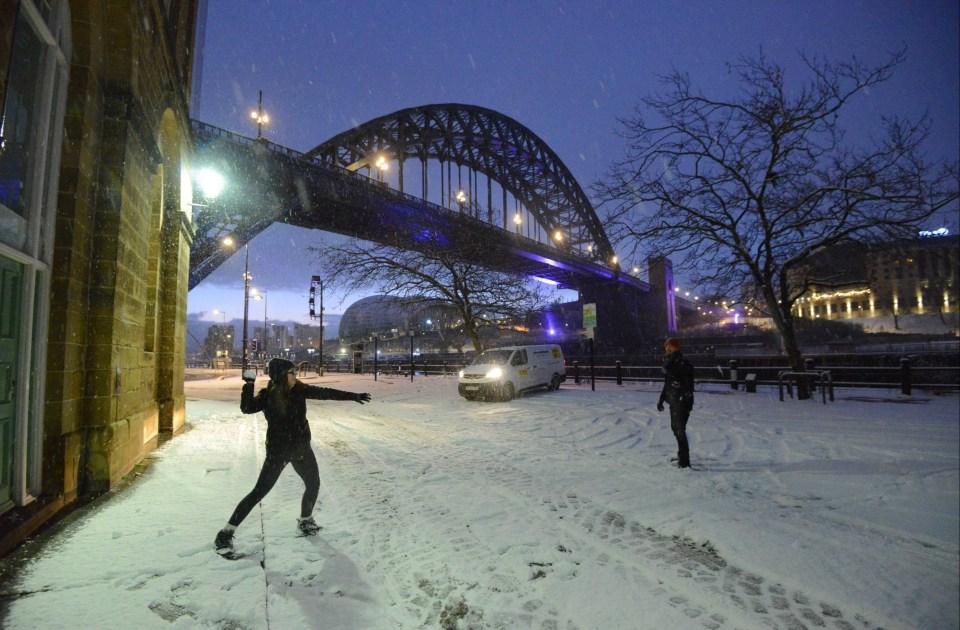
(284, 404)
(678, 393)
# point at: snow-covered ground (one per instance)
(557, 510)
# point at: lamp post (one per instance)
(260, 118)
(410, 333)
(516, 221)
(262, 295)
(246, 302)
(321, 329)
(314, 283)
(382, 165)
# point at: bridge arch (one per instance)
(487, 142)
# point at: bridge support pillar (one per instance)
(620, 325)
(661, 312)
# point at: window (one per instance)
(519, 358)
(30, 129)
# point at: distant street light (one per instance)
(516, 221)
(262, 295)
(260, 118)
(315, 283)
(461, 197)
(382, 165)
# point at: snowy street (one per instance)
(557, 510)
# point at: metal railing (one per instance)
(905, 377)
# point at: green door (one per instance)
(11, 277)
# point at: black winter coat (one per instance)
(678, 380)
(287, 427)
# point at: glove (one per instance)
(249, 376)
(660, 405)
(361, 398)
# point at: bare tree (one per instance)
(745, 190)
(433, 274)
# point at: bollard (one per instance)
(576, 372)
(733, 373)
(619, 374)
(906, 383)
(809, 367)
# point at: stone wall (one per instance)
(119, 289)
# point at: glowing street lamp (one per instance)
(229, 242)
(211, 182)
(382, 165)
(558, 236)
(260, 118)
(262, 295)
(516, 221)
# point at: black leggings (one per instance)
(304, 463)
(679, 414)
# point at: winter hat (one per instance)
(278, 368)
(672, 342)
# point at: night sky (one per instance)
(566, 70)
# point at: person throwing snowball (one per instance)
(284, 404)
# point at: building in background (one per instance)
(896, 278)
(220, 341)
(95, 234)
(306, 336)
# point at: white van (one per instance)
(501, 373)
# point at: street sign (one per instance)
(589, 315)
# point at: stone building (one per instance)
(95, 234)
(902, 277)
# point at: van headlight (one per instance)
(495, 373)
(461, 374)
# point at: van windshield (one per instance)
(493, 357)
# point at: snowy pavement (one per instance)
(558, 510)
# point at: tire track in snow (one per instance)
(397, 534)
(695, 578)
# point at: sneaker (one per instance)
(307, 526)
(223, 541)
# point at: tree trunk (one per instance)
(783, 319)
(474, 337)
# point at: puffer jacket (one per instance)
(678, 380)
(287, 427)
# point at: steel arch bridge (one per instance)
(487, 142)
(324, 189)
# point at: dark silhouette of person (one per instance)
(284, 404)
(678, 393)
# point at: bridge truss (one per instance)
(510, 157)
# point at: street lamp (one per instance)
(382, 165)
(246, 302)
(516, 221)
(262, 295)
(229, 242)
(315, 282)
(260, 118)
